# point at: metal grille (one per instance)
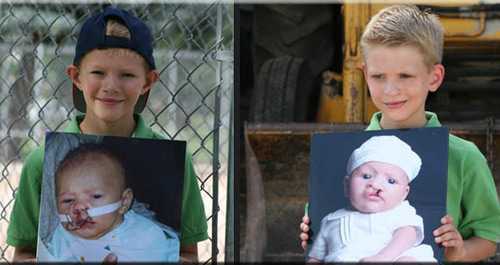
(191, 101)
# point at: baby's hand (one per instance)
(449, 237)
(110, 259)
(374, 258)
(313, 260)
(304, 228)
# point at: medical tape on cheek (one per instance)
(94, 212)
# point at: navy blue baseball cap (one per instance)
(93, 36)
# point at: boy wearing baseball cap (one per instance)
(380, 224)
(112, 74)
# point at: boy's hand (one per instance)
(24, 254)
(448, 236)
(189, 253)
(29, 260)
(304, 229)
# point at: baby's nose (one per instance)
(79, 206)
(376, 183)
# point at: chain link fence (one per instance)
(192, 100)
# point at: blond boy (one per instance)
(402, 48)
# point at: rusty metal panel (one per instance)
(282, 152)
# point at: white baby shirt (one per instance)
(137, 238)
(347, 235)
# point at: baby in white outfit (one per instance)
(381, 225)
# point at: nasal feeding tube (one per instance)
(93, 212)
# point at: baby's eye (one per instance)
(97, 196)
(405, 76)
(377, 76)
(97, 72)
(65, 201)
(366, 176)
(391, 181)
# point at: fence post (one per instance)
(229, 244)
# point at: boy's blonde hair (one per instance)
(406, 25)
(115, 28)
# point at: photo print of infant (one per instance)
(99, 215)
(376, 213)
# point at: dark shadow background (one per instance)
(156, 173)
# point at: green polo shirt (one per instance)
(23, 225)
(472, 199)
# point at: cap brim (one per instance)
(141, 102)
(79, 101)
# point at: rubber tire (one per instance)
(276, 97)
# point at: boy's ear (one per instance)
(437, 73)
(73, 73)
(127, 198)
(151, 77)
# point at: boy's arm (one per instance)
(189, 253)
(475, 249)
(193, 219)
(23, 226)
(402, 239)
(456, 249)
(474, 228)
(24, 254)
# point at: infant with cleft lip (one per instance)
(96, 222)
(380, 224)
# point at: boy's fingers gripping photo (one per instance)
(447, 234)
(304, 226)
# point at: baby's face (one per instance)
(377, 187)
(93, 183)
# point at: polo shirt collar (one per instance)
(141, 129)
(432, 121)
